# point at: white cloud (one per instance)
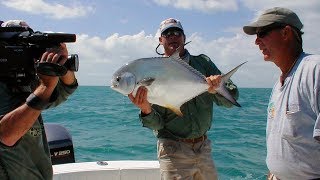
(307, 12)
(100, 58)
(291, 4)
(52, 10)
(228, 52)
(208, 6)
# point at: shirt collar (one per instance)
(186, 56)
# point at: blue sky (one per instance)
(112, 32)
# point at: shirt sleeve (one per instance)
(153, 120)
(316, 132)
(62, 92)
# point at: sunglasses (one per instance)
(265, 31)
(167, 34)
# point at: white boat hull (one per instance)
(107, 170)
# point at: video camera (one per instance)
(21, 47)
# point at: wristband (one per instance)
(35, 102)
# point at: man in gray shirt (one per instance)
(293, 127)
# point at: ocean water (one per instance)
(105, 126)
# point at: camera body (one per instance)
(21, 47)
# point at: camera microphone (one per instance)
(51, 37)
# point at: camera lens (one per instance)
(72, 62)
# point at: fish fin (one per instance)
(174, 109)
(237, 104)
(146, 81)
(175, 55)
(177, 111)
(222, 90)
(227, 76)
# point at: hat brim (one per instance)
(251, 29)
(171, 26)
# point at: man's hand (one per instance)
(214, 83)
(56, 55)
(140, 100)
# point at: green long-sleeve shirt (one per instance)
(197, 113)
(29, 158)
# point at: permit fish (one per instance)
(170, 81)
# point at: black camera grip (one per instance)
(51, 69)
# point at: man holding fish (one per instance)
(184, 151)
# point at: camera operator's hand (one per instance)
(58, 55)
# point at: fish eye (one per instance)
(118, 79)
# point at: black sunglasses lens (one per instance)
(177, 33)
(262, 34)
(170, 33)
(266, 31)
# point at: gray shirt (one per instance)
(293, 127)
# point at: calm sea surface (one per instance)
(104, 126)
